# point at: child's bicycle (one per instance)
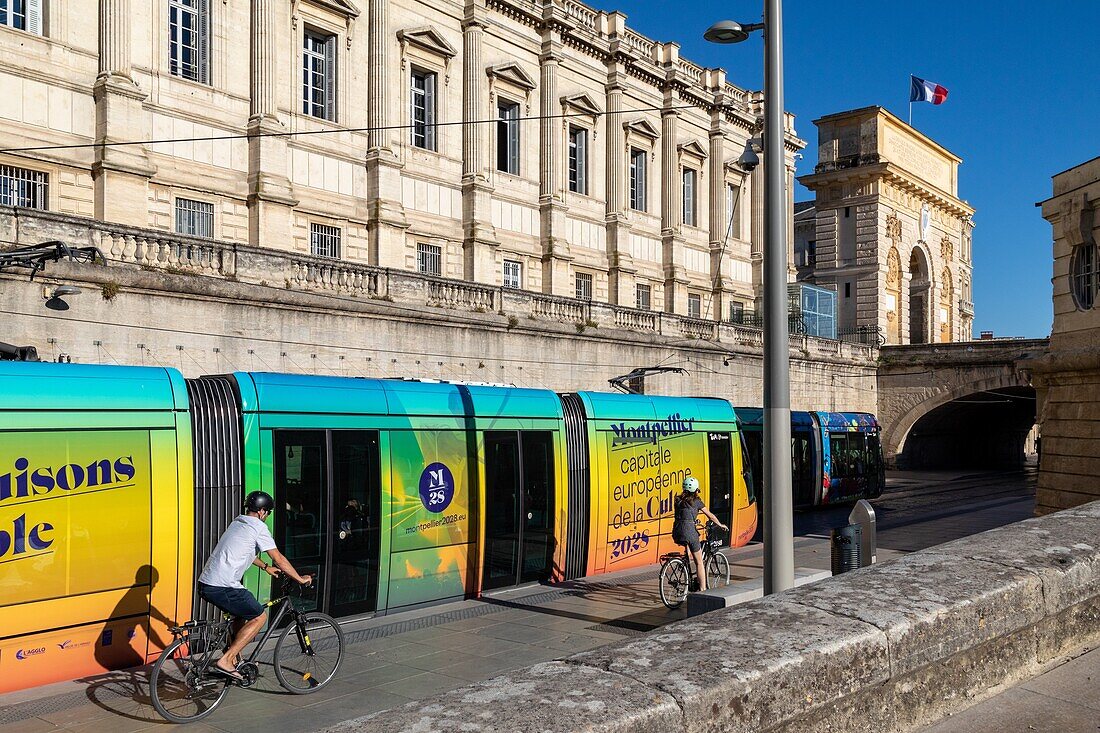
(185, 687)
(678, 569)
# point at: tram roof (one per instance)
(619, 406)
(307, 394)
(48, 386)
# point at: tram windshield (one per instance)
(856, 456)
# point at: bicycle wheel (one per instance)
(179, 689)
(309, 653)
(674, 582)
(718, 570)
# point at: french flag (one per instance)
(921, 90)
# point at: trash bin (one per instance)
(847, 548)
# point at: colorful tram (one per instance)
(116, 482)
(836, 457)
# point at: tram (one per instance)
(116, 483)
(836, 457)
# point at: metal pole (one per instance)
(778, 508)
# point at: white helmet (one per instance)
(691, 484)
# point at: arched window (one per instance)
(1084, 276)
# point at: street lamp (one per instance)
(778, 510)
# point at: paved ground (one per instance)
(397, 658)
(1062, 700)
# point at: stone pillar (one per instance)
(270, 196)
(621, 269)
(386, 221)
(671, 211)
(756, 228)
(478, 238)
(720, 241)
(552, 207)
(121, 174)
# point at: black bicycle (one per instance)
(678, 569)
(185, 687)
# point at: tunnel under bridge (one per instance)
(957, 405)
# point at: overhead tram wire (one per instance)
(330, 131)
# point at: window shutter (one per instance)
(202, 9)
(513, 141)
(330, 79)
(429, 111)
(34, 16)
(642, 163)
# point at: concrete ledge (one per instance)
(744, 590)
(886, 648)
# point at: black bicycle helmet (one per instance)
(257, 501)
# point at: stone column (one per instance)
(720, 245)
(270, 196)
(552, 207)
(386, 223)
(478, 236)
(621, 269)
(121, 174)
(756, 228)
(671, 211)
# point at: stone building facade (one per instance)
(539, 145)
(887, 230)
(1067, 380)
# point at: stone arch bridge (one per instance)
(958, 405)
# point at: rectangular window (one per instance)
(188, 39)
(23, 15)
(695, 306)
(429, 259)
(811, 253)
(22, 187)
(319, 75)
(733, 210)
(643, 297)
(847, 290)
(689, 196)
(578, 160)
(324, 241)
(508, 137)
(584, 286)
(737, 311)
(422, 109)
(513, 274)
(195, 218)
(637, 179)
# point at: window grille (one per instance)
(1085, 276)
(429, 259)
(689, 196)
(22, 187)
(578, 160)
(695, 306)
(513, 274)
(737, 312)
(324, 241)
(422, 109)
(584, 286)
(508, 137)
(319, 75)
(643, 297)
(637, 179)
(23, 15)
(188, 39)
(195, 218)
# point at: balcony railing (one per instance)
(967, 307)
(869, 335)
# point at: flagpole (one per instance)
(910, 112)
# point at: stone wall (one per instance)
(891, 647)
(1068, 380)
(208, 307)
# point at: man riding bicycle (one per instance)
(220, 581)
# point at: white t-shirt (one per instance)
(240, 543)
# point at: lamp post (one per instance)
(778, 510)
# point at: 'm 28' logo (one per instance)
(437, 487)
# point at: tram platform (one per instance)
(401, 657)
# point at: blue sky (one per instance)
(1024, 104)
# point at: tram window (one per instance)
(721, 474)
(853, 455)
(300, 482)
(802, 469)
(748, 469)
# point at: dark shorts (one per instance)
(694, 545)
(234, 601)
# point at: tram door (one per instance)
(720, 457)
(328, 495)
(519, 507)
